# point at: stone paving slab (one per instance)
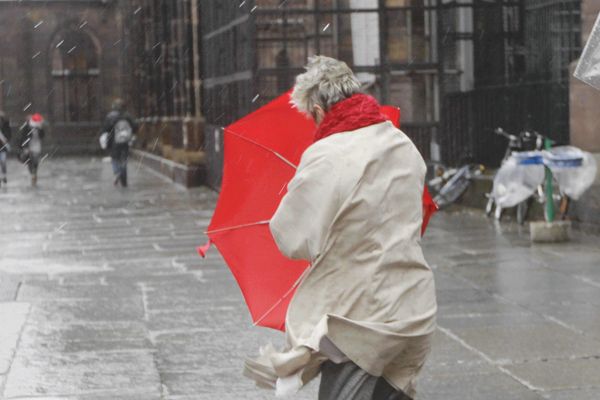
(56, 374)
(574, 394)
(487, 386)
(105, 395)
(13, 317)
(9, 287)
(582, 317)
(528, 342)
(60, 311)
(40, 291)
(448, 357)
(561, 374)
(87, 337)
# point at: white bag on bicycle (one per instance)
(574, 169)
(516, 182)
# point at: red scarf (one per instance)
(350, 114)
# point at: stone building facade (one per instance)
(65, 60)
(457, 69)
(585, 120)
(165, 77)
(585, 100)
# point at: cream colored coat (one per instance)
(354, 209)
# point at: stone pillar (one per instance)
(585, 124)
(584, 99)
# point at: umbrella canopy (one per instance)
(262, 151)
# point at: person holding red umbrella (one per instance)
(364, 312)
(32, 135)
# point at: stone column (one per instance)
(584, 99)
(585, 124)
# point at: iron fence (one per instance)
(473, 116)
(553, 32)
(536, 98)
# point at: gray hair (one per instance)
(325, 82)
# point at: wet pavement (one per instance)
(102, 296)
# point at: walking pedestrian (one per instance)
(5, 135)
(32, 134)
(364, 314)
(119, 127)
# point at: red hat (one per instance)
(37, 117)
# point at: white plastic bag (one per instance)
(573, 177)
(516, 182)
(104, 140)
(588, 68)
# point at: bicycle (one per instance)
(450, 184)
(549, 174)
(516, 144)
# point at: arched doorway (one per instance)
(75, 77)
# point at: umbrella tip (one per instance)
(202, 250)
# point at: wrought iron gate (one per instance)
(530, 90)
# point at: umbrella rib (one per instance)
(286, 294)
(282, 158)
(230, 228)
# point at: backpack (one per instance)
(123, 131)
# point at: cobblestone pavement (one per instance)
(102, 296)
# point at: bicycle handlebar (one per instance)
(524, 134)
(502, 132)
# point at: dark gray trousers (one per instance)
(347, 381)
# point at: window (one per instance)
(75, 77)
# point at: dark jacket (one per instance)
(117, 150)
(5, 128)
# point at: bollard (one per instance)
(550, 232)
(549, 209)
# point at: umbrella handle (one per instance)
(202, 250)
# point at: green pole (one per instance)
(549, 212)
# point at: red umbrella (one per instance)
(262, 151)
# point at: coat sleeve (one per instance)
(304, 216)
